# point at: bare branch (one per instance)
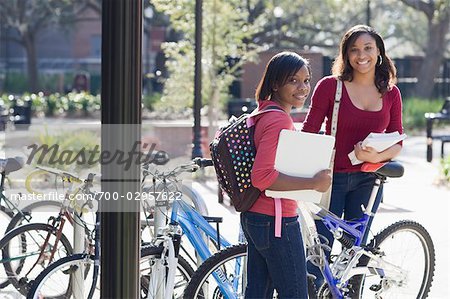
(427, 8)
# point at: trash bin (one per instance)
(21, 113)
(237, 107)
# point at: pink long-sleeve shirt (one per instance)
(264, 174)
(354, 124)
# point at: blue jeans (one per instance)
(274, 263)
(350, 191)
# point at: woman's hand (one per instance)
(322, 180)
(366, 153)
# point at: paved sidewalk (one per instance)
(415, 196)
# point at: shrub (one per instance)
(414, 110)
(150, 100)
(81, 104)
(69, 145)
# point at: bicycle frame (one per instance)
(9, 206)
(183, 219)
(193, 224)
(195, 227)
(337, 275)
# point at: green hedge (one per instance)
(71, 104)
(414, 110)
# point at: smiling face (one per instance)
(295, 91)
(363, 55)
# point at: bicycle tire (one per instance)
(43, 179)
(21, 260)
(394, 233)
(66, 264)
(6, 215)
(195, 286)
(18, 218)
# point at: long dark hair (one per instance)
(278, 70)
(385, 73)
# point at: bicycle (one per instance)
(68, 276)
(28, 249)
(158, 277)
(22, 247)
(380, 269)
(10, 214)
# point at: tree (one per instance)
(226, 37)
(438, 16)
(25, 19)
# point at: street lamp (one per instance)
(148, 15)
(196, 140)
(278, 13)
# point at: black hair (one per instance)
(278, 70)
(385, 72)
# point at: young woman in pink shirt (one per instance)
(370, 102)
(277, 262)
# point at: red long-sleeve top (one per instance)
(264, 174)
(354, 124)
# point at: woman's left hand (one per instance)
(366, 153)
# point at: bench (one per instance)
(443, 115)
(444, 140)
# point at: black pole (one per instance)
(368, 13)
(121, 119)
(196, 149)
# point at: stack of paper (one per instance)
(379, 141)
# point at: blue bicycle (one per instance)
(398, 263)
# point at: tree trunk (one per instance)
(434, 55)
(30, 48)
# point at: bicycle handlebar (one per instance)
(202, 162)
(191, 166)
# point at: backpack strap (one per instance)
(251, 120)
(278, 217)
(277, 201)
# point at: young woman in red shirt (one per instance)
(277, 262)
(370, 102)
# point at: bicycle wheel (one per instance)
(58, 280)
(405, 244)
(39, 181)
(229, 265)
(20, 253)
(5, 217)
(37, 212)
(150, 255)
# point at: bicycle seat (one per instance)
(389, 169)
(11, 164)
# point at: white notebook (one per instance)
(303, 155)
(379, 141)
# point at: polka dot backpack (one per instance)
(233, 153)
